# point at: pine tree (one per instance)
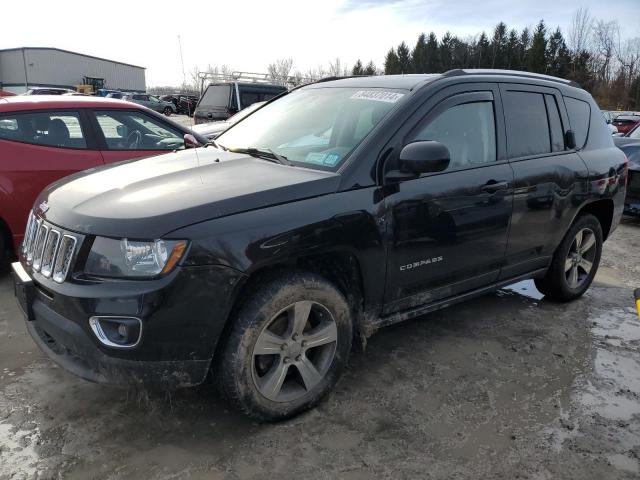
(483, 52)
(558, 56)
(512, 52)
(537, 61)
(419, 54)
(446, 52)
(404, 59)
(523, 48)
(357, 68)
(499, 46)
(371, 69)
(391, 63)
(433, 62)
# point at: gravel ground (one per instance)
(505, 386)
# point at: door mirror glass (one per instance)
(121, 130)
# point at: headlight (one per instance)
(127, 258)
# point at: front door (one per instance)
(447, 232)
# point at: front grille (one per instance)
(49, 249)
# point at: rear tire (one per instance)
(287, 347)
(575, 261)
(167, 111)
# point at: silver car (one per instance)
(152, 102)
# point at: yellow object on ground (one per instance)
(636, 294)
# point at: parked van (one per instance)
(223, 99)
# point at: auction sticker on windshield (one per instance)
(377, 95)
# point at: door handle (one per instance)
(493, 186)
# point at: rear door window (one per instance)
(555, 124)
(130, 130)
(216, 96)
(55, 129)
(527, 124)
(579, 116)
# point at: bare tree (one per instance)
(337, 69)
(606, 38)
(580, 31)
(280, 70)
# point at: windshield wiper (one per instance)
(264, 153)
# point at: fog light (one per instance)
(118, 332)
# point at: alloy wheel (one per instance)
(579, 262)
(294, 351)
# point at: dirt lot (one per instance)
(507, 386)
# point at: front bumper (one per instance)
(183, 316)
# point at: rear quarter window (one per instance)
(579, 116)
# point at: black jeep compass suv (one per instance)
(336, 209)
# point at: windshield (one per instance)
(315, 127)
(244, 112)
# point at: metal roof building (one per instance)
(27, 67)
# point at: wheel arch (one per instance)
(603, 210)
(341, 268)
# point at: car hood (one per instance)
(207, 129)
(624, 141)
(148, 198)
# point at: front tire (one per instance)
(287, 347)
(575, 261)
(167, 111)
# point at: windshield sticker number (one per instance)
(377, 96)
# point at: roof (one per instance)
(72, 53)
(410, 81)
(42, 102)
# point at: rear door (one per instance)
(448, 230)
(36, 149)
(551, 180)
(125, 134)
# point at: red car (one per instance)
(44, 138)
(626, 123)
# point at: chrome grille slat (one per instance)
(32, 239)
(49, 253)
(27, 229)
(64, 257)
(38, 249)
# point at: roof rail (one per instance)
(514, 73)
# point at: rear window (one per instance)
(55, 129)
(579, 116)
(216, 96)
(527, 124)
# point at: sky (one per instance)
(248, 35)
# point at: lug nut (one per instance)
(283, 347)
(299, 358)
(304, 343)
(286, 360)
(295, 336)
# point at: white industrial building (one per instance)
(28, 67)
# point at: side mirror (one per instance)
(121, 131)
(190, 141)
(420, 157)
(570, 139)
(618, 134)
